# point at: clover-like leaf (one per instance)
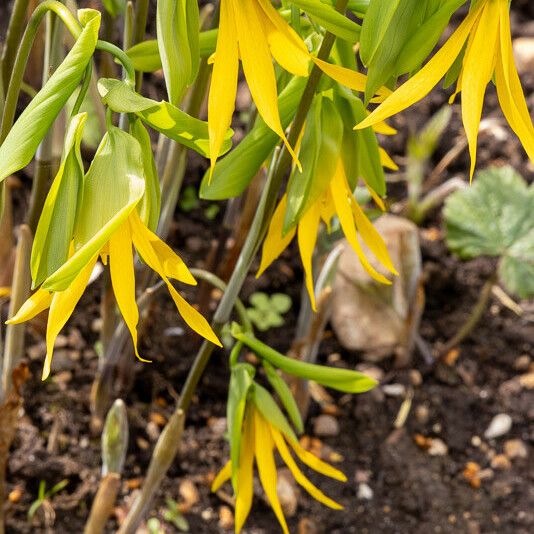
(281, 302)
(495, 218)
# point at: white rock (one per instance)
(499, 426)
(326, 426)
(394, 390)
(287, 492)
(365, 493)
(437, 447)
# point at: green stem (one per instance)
(476, 314)
(14, 34)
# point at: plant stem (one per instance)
(475, 315)
(280, 164)
(14, 343)
(141, 15)
(14, 34)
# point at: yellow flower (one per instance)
(253, 31)
(259, 440)
(119, 251)
(488, 54)
(338, 200)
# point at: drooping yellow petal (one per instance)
(307, 237)
(384, 128)
(419, 85)
(378, 201)
(478, 67)
(287, 48)
(274, 243)
(37, 303)
(61, 308)
(266, 466)
(349, 78)
(258, 66)
(315, 492)
(222, 476)
(245, 474)
(141, 240)
(223, 89)
(342, 202)
(509, 90)
(386, 161)
(371, 237)
(173, 266)
(121, 263)
(315, 463)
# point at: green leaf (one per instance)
(149, 207)
(361, 156)
(494, 217)
(375, 24)
(56, 225)
(34, 122)
(233, 173)
(161, 116)
(381, 67)
(113, 187)
(260, 300)
(241, 381)
(330, 19)
(266, 405)
(146, 58)
(340, 379)
(114, 7)
(178, 26)
(285, 396)
(320, 151)
(281, 302)
(420, 44)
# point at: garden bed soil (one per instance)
(411, 490)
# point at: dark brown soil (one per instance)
(413, 492)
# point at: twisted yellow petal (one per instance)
(141, 237)
(274, 243)
(121, 263)
(266, 466)
(245, 474)
(418, 86)
(61, 308)
(223, 89)
(37, 303)
(315, 492)
(477, 70)
(222, 476)
(307, 237)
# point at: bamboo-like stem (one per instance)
(14, 34)
(280, 164)
(476, 314)
(14, 342)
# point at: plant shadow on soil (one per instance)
(413, 492)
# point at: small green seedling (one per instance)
(494, 218)
(153, 526)
(173, 515)
(266, 311)
(189, 199)
(44, 496)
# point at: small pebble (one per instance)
(152, 431)
(476, 441)
(522, 363)
(362, 476)
(189, 493)
(500, 462)
(287, 493)
(416, 378)
(365, 493)
(515, 448)
(394, 390)
(226, 518)
(437, 447)
(422, 413)
(371, 370)
(307, 526)
(326, 426)
(500, 425)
